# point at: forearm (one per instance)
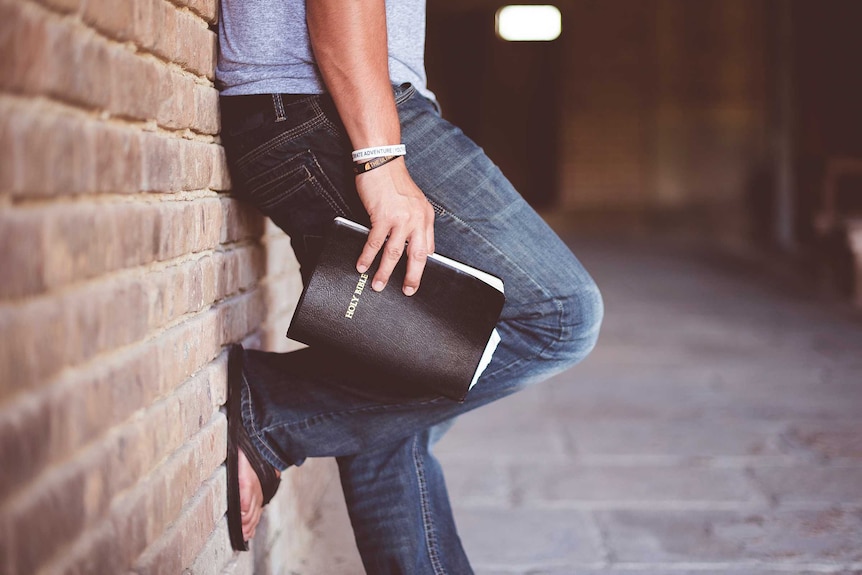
(349, 42)
(350, 46)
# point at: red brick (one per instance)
(144, 28)
(104, 463)
(53, 333)
(8, 544)
(239, 269)
(135, 87)
(56, 154)
(42, 430)
(241, 221)
(240, 315)
(206, 108)
(219, 177)
(180, 545)
(112, 545)
(175, 164)
(206, 9)
(65, 6)
(66, 61)
(78, 495)
(23, 239)
(215, 554)
(134, 520)
(77, 241)
(25, 41)
(115, 19)
(25, 438)
(196, 161)
(45, 521)
(50, 152)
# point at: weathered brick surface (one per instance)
(127, 269)
(119, 235)
(107, 75)
(99, 317)
(177, 36)
(207, 9)
(51, 150)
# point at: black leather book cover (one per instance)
(431, 341)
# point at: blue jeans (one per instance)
(290, 157)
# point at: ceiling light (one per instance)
(539, 23)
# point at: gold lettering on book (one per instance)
(354, 298)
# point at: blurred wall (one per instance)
(664, 103)
(126, 270)
(724, 112)
(654, 104)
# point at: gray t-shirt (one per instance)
(264, 47)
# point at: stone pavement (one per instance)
(716, 429)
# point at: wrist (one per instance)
(369, 153)
(364, 166)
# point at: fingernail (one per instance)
(409, 290)
(377, 286)
(362, 268)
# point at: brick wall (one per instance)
(126, 269)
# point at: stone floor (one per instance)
(716, 429)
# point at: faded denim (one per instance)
(294, 165)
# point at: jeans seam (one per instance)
(280, 116)
(254, 432)
(342, 210)
(427, 517)
(545, 292)
(315, 419)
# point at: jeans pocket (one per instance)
(284, 177)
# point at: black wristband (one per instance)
(362, 167)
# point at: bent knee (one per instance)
(579, 321)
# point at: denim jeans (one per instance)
(290, 157)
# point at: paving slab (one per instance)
(784, 537)
(715, 430)
(528, 538)
(708, 438)
(811, 485)
(539, 442)
(473, 485)
(690, 487)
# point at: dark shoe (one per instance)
(237, 438)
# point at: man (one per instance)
(304, 84)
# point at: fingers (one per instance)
(419, 241)
(400, 212)
(417, 257)
(391, 253)
(376, 240)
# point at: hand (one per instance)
(399, 211)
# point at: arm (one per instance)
(349, 42)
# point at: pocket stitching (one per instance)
(278, 198)
(301, 130)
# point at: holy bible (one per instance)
(438, 340)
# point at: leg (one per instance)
(301, 405)
(400, 510)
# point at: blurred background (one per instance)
(703, 158)
(736, 118)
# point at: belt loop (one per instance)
(277, 103)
